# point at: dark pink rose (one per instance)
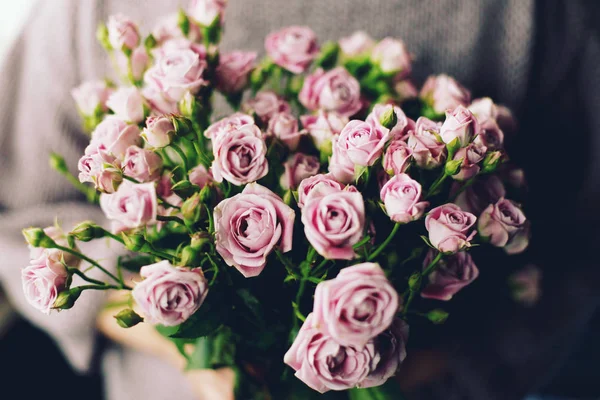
(397, 157)
(91, 97)
(442, 92)
(132, 205)
(122, 32)
(250, 225)
(363, 142)
(142, 165)
(313, 183)
(298, 167)
(265, 104)
(471, 155)
(322, 127)
(334, 90)
(101, 168)
(356, 44)
(293, 48)
(392, 56)
(227, 125)
(233, 70)
(169, 295)
(284, 126)
(401, 195)
(450, 228)
(158, 132)
(43, 280)
(505, 225)
(359, 304)
(451, 275)
(460, 123)
(486, 190)
(205, 12)
(128, 104)
(428, 150)
(398, 130)
(116, 136)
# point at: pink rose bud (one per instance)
(297, 168)
(308, 185)
(359, 304)
(397, 158)
(128, 104)
(334, 90)
(168, 28)
(450, 228)
(158, 132)
(341, 166)
(101, 168)
(363, 142)
(460, 123)
(293, 48)
(43, 280)
(322, 127)
(401, 195)
(140, 61)
(451, 275)
(205, 12)
(356, 44)
(442, 92)
(334, 222)
(91, 97)
(132, 205)
(240, 156)
(383, 110)
(428, 150)
(169, 295)
(266, 104)
(405, 90)
(199, 176)
(122, 32)
(484, 191)
(56, 256)
(233, 70)
(392, 56)
(116, 136)
(142, 165)
(227, 125)
(284, 126)
(471, 155)
(249, 226)
(526, 285)
(505, 225)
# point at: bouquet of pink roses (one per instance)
(299, 233)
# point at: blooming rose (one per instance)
(363, 142)
(178, 44)
(486, 190)
(356, 44)
(168, 28)
(116, 136)
(100, 167)
(428, 150)
(122, 32)
(505, 225)
(322, 127)
(158, 131)
(284, 126)
(401, 195)
(199, 176)
(141, 164)
(240, 156)
(359, 304)
(226, 125)
(460, 123)
(450, 228)
(159, 104)
(392, 57)
(292, 48)
(397, 157)
(334, 222)
(471, 155)
(132, 205)
(233, 70)
(250, 225)
(128, 104)
(442, 92)
(451, 275)
(490, 135)
(265, 104)
(298, 167)
(334, 90)
(206, 11)
(43, 280)
(169, 295)
(402, 123)
(340, 165)
(485, 109)
(91, 96)
(313, 183)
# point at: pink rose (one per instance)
(392, 56)
(168, 28)
(427, 149)
(363, 142)
(158, 132)
(53, 255)
(313, 183)
(293, 48)
(298, 167)
(133, 205)
(178, 44)
(205, 12)
(485, 109)
(442, 92)
(91, 97)
(450, 228)
(359, 304)
(226, 125)
(486, 190)
(199, 176)
(43, 280)
(164, 189)
(116, 136)
(397, 157)
(340, 165)
(122, 32)
(356, 44)
(169, 295)
(142, 165)
(505, 225)
(322, 127)
(128, 104)
(471, 155)
(334, 222)
(140, 61)
(490, 135)
(265, 104)
(460, 123)
(401, 195)
(240, 156)
(398, 130)
(249, 226)
(284, 126)
(406, 90)
(101, 168)
(233, 70)
(451, 275)
(159, 104)
(334, 90)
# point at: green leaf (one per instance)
(427, 242)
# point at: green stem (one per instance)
(411, 293)
(435, 185)
(211, 221)
(183, 157)
(84, 276)
(432, 264)
(286, 263)
(169, 218)
(385, 243)
(90, 193)
(89, 260)
(104, 287)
